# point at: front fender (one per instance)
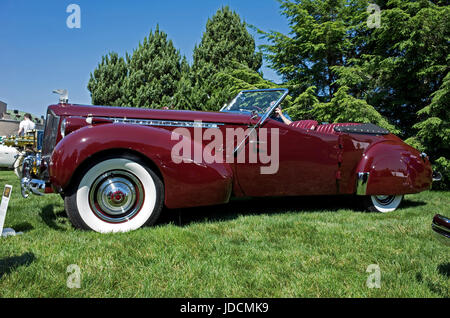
(186, 184)
(394, 168)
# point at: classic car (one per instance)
(117, 167)
(7, 156)
(441, 228)
(15, 148)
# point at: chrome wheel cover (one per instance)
(384, 199)
(116, 196)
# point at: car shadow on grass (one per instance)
(258, 206)
(23, 227)
(50, 218)
(411, 204)
(9, 264)
(444, 269)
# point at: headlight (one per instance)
(63, 128)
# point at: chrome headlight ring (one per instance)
(63, 128)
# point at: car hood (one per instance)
(142, 113)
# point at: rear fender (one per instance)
(393, 168)
(186, 183)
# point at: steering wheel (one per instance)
(258, 108)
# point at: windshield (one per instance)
(259, 101)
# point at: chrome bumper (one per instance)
(441, 228)
(28, 184)
(32, 186)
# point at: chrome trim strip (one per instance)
(361, 183)
(165, 123)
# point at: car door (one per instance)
(307, 162)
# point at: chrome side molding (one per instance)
(361, 183)
(165, 123)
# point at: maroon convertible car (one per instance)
(117, 167)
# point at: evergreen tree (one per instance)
(106, 83)
(225, 41)
(341, 109)
(394, 67)
(226, 84)
(182, 98)
(303, 106)
(154, 72)
(433, 132)
(399, 67)
(324, 34)
(403, 62)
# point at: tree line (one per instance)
(337, 65)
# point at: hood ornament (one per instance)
(63, 95)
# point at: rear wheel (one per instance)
(382, 203)
(119, 194)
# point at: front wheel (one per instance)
(115, 195)
(382, 203)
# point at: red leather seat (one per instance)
(305, 124)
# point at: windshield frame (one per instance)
(263, 117)
(269, 111)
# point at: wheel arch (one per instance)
(183, 181)
(110, 153)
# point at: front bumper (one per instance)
(30, 182)
(32, 186)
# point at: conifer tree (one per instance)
(154, 72)
(106, 83)
(225, 41)
(183, 94)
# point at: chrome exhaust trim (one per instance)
(362, 180)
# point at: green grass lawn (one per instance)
(283, 247)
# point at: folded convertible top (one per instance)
(369, 129)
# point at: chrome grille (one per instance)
(50, 133)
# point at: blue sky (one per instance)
(39, 53)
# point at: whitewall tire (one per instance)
(383, 203)
(117, 194)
